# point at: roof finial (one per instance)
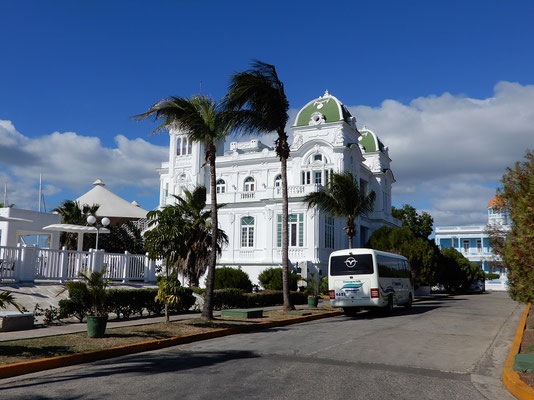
(326, 93)
(99, 182)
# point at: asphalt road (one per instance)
(449, 348)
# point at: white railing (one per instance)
(9, 258)
(27, 263)
(294, 254)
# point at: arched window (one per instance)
(249, 184)
(221, 186)
(278, 181)
(247, 232)
(318, 157)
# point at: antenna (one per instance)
(200, 88)
(5, 194)
(40, 190)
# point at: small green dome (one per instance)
(324, 109)
(369, 141)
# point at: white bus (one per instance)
(363, 278)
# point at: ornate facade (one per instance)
(325, 140)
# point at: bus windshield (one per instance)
(351, 264)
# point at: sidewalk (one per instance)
(75, 327)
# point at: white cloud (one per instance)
(71, 162)
(450, 152)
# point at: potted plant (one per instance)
(312, 290)
(95, 285)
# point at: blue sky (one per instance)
(72, 73)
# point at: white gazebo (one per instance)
(117, 209)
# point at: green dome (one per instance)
(369, 141)
(324, 109)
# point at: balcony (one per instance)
(265, 194)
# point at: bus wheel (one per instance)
(351, 311)
(408, 305)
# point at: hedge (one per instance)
(236, 298)
(123, 302)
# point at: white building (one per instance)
(325, 140)
(474, 242)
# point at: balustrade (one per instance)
(29, 263)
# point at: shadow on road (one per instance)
(139, 364)
(398, 311)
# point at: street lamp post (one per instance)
(91, 220)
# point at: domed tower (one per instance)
(496, 215)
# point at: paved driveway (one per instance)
(449, 348)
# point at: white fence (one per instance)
(26, 264)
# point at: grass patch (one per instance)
(529, 348)
(51, 346)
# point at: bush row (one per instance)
(237, 298)
(123, 302)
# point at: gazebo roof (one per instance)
(111, 205)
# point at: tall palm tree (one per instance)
(197, 231)
(73, 213)
(343, 199)
(201, 119)
(260, 101)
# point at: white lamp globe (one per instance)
(105, 221)
(91, 219)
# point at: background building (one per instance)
(325, 140)
(473, 242)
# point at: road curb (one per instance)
(510, 378)
(27, 367)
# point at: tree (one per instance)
(456, 272)
(73, 213)
(343, 199)
(121, 238)
(166, 240)
(2, 205)
(6, 298)
(422, 254)
(419, 224)
(517, 194)
(201, 119)
(197, 233)
(259, 97)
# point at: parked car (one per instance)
(477, 287)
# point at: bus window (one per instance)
(351, 264)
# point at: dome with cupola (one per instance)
(370, 142)
(495, 202)
(324, 109)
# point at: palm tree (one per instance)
(197, 230)
(260, 101)
(201, 119)
(73, 213)
(343, 199)
(7, 298)
(166, 240)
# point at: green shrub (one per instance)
(229, 298)
(186, 300)
(226, 278)
(271, 279)
(198, 290)
(491, 276)
(152, 306)
(78, 304)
